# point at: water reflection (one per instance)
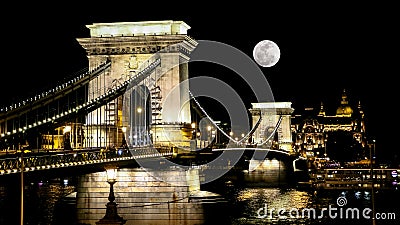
(250, 200)
(257, 197)
(42, 203)
(46, 197)
(233, 199)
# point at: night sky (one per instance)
(323, 50)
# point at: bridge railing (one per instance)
(56, 160)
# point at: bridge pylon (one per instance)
(139, 117)
(273, 114)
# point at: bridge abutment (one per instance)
(143, 197)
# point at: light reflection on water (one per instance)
(251, 199)
(42, 203)
(262, 190)
(45, 204)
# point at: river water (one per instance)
(256, 198)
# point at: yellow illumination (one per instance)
(66, 129)
(138, 28)
(111, 174)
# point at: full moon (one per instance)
(266, 53)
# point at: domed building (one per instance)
(341, 136)
(344, 109)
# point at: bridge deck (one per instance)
(11, 164)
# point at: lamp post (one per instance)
(209, 134)
(111, 217)
(140, 127)
(194, 137)
(372, 183)
(123, 141)
(198, 137)
(194, 131)
(374, 156)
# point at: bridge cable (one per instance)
(228, 136)
(273, 132)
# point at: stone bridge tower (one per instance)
(131, 47)
(270, 113)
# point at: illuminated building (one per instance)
(341, 136)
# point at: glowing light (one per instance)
(66, 129)
(111, 174)
(138, 28)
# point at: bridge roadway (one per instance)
(11, 163)
(255, 149)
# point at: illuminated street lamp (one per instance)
(372, 182)
(111, 217)
(139, 125)
(123, 142)
(374, 149)
(209, 134)
(214, 135)
(193, 131)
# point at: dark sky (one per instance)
(324, 49)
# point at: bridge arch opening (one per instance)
(139, 111)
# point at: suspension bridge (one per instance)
(114, 110)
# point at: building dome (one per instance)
(344, 109)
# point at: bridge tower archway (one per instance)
(132, 47)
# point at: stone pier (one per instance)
(269, 172)
(155, 197)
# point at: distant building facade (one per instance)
(340, 136)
